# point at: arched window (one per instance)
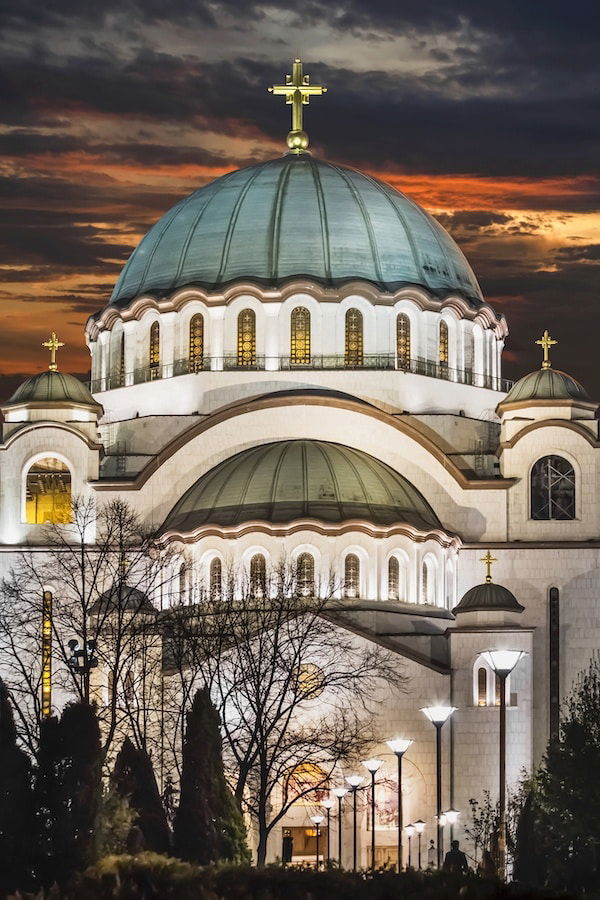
(258, 575)
(487, 685)
(48, 493)
(443, 345)
(351, 576)
(154, 351)
(354, 338)
(215, 577)
(196, 346)
(305, 574)
(118, 360)
(393, 579)
(300, 337)
(246, 346)
(482, 691)
(428, 593)
(403, 341)
(552, 489)
(182, 583)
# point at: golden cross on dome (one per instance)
(297, 91)
(52, 344)
(546, 342)
(488, 559)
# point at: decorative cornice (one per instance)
(581, 430)
(504, 407)
(63, 426)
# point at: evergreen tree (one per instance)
(133, 777)
(208, 823)
(16, 808)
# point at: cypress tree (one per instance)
(208, 823)
(133, 777)
(16, 807)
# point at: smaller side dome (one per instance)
(546, 384)
(122, 598)
(488, 597)
(53, 387)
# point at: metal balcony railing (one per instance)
(370, 361)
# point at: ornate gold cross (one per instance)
(488, 559)
(297, 91)
(52, 344)
(546, 342)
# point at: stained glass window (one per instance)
(393, 579)
(443, 345)
(215, 577)
(354, 338)
(154, 354)
(258, 575)
(552, 489)
(482, 699)
(300, 337)
(403, 341)
(48, 493)
(351, 576)
(118, 366)
(196, 350)
(246, 352)
(306, 574)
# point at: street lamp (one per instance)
(340, 793)
(328, 806)
(503, 662)
(410, 830)
(399, 746)
(373, 766)
(317, 820)
(420, 826)
(452, 818)
(81, 661)
(438, 715)
(354, 781)
(441, 825)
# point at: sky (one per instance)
(486, 113)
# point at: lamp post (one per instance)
(373, 766)
(420, 827)
(317, 820)
(410, 830)
(354, 781)
(328, 806)
(340, 793)
(502, 662)
(438, 715)
(399, 746)
(441, 825)
(81, 661)
(452, 818)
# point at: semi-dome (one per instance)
(301, 479)
(488, 597)
(296, 217)
(546, 384)
(53, 387)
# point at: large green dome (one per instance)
(290, 480)
(292, 217)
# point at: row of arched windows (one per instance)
(300, 342)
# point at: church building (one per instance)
(297, 360)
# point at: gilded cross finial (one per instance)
(488, 559)
(546, 342)
(52, 344)
(297, 91)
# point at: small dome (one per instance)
(295, 217)
(488, 597)
(546, 384)
(53, 387)
(122, 597)
(290, 480)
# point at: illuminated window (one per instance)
(305, 574)
(351, 576)
(443, 345)
(196, 349)
(393, 579)
(48, 493)
(258, 575)
(246, 352)
(403, 341)
(118, 362)
(482, 680)
(354, 338)
(300, 337)
(215, 577)
(182, 583)
(307, 782)
(154, 351)
(552, 489)
(310, 680)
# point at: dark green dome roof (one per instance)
(53, 387)
(488, 597)
(290, 480)
(546, 384)
(296, 216)
(122, 597)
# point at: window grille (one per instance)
(154, 354)
(196, 348)
(258, 575)
(351, 576)
(443, 345)
(393, 579)
(246, 352)
(552, 489)
(215, 577)
(403, 341)
(306, 574)
(354, 338)
(300, 337)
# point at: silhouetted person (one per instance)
(431, 855)
(455, 860)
